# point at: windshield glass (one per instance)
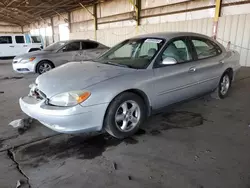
(55, 46)
(133, 53)
(36, 39)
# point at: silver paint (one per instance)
(160, 86)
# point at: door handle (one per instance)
(25, 45)
(192, 69)
(12, 46)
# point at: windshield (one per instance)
(36, 39)
(133, 53)
(55, 46)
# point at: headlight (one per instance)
(71, 98)
(28, 60)
(32, 59)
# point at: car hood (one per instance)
(77, 76)
(33, 54)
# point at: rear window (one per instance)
(89, 45)
(36, 39)
(5, 40)
(19, 39)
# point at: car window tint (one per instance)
(177, 50)
(36, 39)
(148, 47)
(73, 46)
(90, 45)
(5, 40)
(125, 52)
(205, 48)
(19, 39)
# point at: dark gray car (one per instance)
(57, 54)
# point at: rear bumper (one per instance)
(75, 119)
(24, 67)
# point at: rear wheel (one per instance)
(125, 115)
(223, 88)
(44, 66)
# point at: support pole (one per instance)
(52, 27)
(137, 6)
(216, 17)
(94, 15)
(69, 22)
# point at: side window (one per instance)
(178, 50)
(148, 49)
(19, 39)
(89, 45)
(73, 46)
(205, 48)
(5, 40)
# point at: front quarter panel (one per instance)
(106, 91)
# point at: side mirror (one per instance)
(169, 61)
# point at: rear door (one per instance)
(174, 83)
(209, 63)
(90, 50)
(20, 45)
(7, 48)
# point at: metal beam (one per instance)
(10, 11)
(14, 18)
(217, 10)
(217, 14)
(69, 22)
(53, 31)
(94, 15)
(10, 21)
(137, 6)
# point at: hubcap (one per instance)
(225, 84)
(44, 67)
(127, 116)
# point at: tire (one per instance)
(117, 117)
(223, 88)
(44, 66)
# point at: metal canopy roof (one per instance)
(23, 12)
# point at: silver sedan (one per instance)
(57, 54)
(131, 81)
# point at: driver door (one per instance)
(174, 83)
(68, 53)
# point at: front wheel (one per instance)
(125, 115)
(223, 88)
(44, 66)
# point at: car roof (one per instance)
(79, 40)
(169, 35)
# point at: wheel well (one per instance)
(34, 49)
(47, 61)
(140, 94)
(230, 72)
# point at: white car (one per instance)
(17, 44)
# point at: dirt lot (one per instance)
(202, 144)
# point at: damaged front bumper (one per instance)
(74, 119)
